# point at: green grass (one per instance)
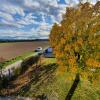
(22, 57)
(56, 86)
(49, 61)
(46, 81)
(87, 91)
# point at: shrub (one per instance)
(4, 82)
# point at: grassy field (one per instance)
(47, 79)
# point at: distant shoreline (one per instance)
(4, 41)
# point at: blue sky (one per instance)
(30, 19)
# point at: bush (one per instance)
(17, 72)
(4, 82)
(29, 61)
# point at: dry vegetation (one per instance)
(48, 79)
(35, 75)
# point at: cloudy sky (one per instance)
(30, 19)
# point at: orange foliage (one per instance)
(93, 63)
(76, 41)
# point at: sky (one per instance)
(30, 19)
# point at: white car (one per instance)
(38, 49)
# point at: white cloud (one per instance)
(42, 30)
(31, 3)
(12, 9)
(28, 13)
(6, 16)
(29, 18)
(52, 3)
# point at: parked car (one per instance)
(38, 49)
(48, 53)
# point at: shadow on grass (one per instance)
(73, 87)
(38, 76)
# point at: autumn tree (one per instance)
(76, 40)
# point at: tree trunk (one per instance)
(74, 86)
